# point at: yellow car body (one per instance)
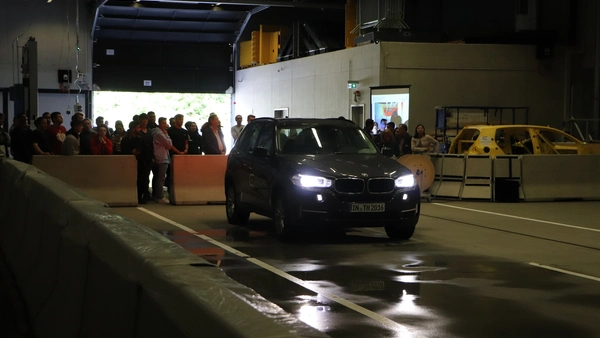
(518, 140)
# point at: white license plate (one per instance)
(367, 207)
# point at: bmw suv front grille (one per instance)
(357, 185)
(381, 185)
(350, 185)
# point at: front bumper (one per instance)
(328, 207)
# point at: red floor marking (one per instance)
(207, 251)
(213, 232)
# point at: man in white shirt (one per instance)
(162, 145)
(71, 145)
(237, 129)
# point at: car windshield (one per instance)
(315, 138)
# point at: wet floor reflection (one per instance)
(428, 292)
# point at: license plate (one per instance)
(367, 207)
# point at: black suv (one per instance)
(318, 172)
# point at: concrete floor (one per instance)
(472, 269)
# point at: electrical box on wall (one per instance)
(81, 79)
(64, 75)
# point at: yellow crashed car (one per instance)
(518, 140)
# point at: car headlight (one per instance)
(406, 181)
(307, 181)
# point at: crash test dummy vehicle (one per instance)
(518, 140)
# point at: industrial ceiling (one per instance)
(200, 22)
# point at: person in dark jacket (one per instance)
(194, 138)
(213, 142)
(40, 141)
(388, 144)
(403, 139)
(146, 133)
(133, 144)
(4, 139)
(21, 140)
(85, 138)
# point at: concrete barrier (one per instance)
(108, 178)
(478, 178)
(451, 180)
(84, 271)
(198, 179)
(514, 178)
(560, 177)
(507, 178)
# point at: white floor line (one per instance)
(518, 217)
(179, 225)
(365, 312)
(381, 319)
(223, 246)
(597, 279)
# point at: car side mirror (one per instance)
(260, 152)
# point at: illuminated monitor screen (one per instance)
(390, 103)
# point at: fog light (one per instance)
(319, 197)
(404, 197)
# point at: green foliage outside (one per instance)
(123, 106)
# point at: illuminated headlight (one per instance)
(405, 181)
(306, 181)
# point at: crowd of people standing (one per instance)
(155, 142)
(152, 141)
(395, 141)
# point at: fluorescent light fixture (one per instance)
(314, 131)
(174, 1)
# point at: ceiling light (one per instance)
(49, 1)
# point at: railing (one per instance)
(584, 129)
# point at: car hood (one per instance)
(346, 165)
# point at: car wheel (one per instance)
(403, 229)
(399, 232)
(235, 214)
(284, 226)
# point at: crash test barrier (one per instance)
(108, 178)
(513, 178)
(198, 179)
(560, 177)
(84, 271)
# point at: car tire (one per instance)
(282, 222)
(399, 232)
(402, 230)
(235, 214)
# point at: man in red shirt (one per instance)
(57, 133)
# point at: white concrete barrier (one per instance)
(507, 178)
(560, 177)
(514, 178)
(452, 176)
(478, 177)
